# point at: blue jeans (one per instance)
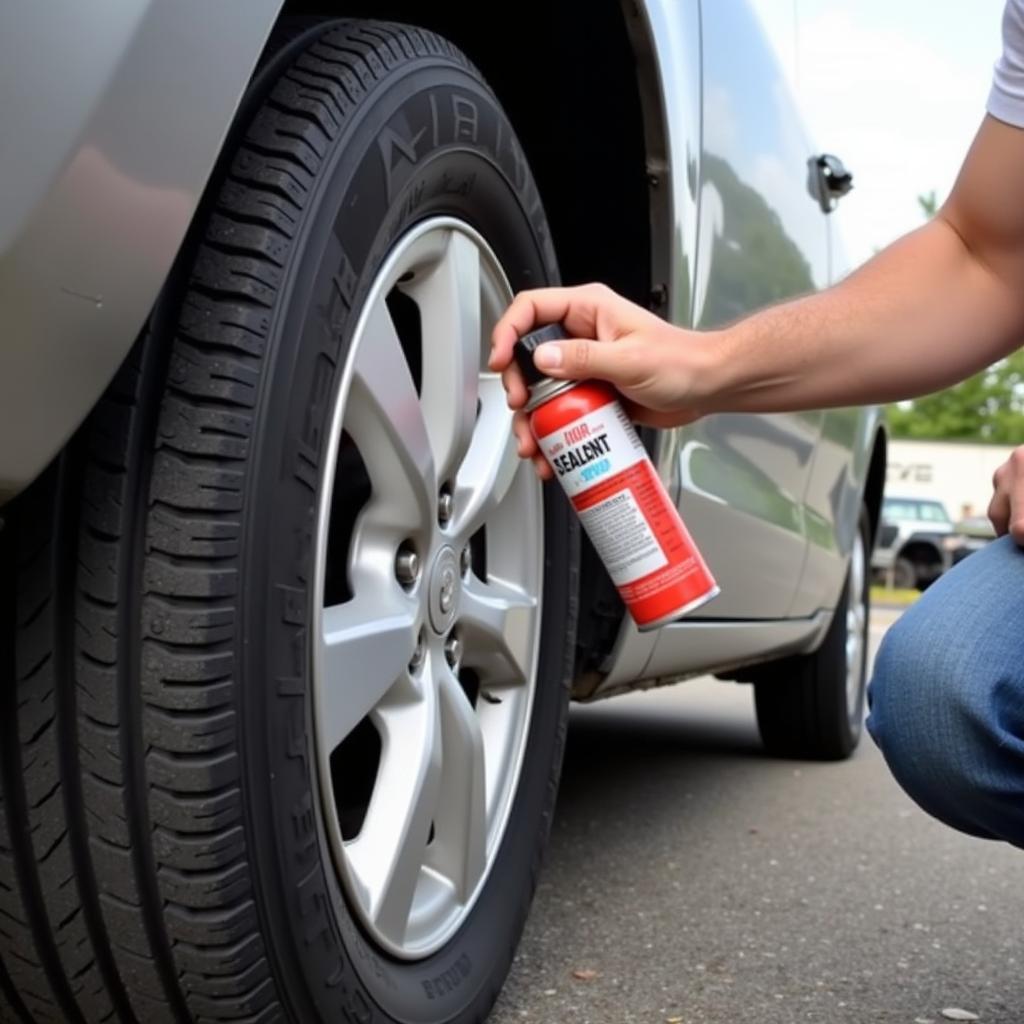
(947, 697)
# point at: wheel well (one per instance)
(920, 552)
(575, 102)
(875, 486)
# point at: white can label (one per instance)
(593, 451)
(592, 448)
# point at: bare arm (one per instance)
(934, 307)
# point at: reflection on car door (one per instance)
(761, 238)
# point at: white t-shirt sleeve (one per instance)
(1006, 100)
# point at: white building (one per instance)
(957, 473)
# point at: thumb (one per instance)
(578, 358)
(999, 513)
(1015, 518)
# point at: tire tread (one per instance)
(126, 886)
(44, 846)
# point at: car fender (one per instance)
(114, 116)
(832, 504)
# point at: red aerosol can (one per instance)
(589, 442)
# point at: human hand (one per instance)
(655, 366)
(1006, 510)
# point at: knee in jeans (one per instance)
(894, 686)
(927, 710)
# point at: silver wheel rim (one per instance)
(433, 648)
(856, 625)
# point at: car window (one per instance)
(906, 508)
(932, 512)
(894, 509)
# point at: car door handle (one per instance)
(828, 180)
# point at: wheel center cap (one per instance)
(444, 590)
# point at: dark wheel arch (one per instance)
(874, 487)
(925, 556)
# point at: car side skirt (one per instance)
(703, 646)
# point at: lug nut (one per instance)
(453, 651)
(407, 566)
(466, 560)
(419, 654)
(445, 506)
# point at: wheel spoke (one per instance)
(857, 570)
(385, 419)
(365, 648)
(388, 854)
(490, 464)
(856, 625)
(857, 618)
(459, 849)
(496, 620)
(449, 302)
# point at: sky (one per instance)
(896, 89)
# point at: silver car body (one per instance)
(773, 501)
(103, 166)
(98, 204)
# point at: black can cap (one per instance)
(524, 348)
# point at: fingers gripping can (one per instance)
(587, 439)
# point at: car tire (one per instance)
(812, 705)
(292, 559)
(904, 574)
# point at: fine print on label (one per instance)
(618, 530)
(634, 527)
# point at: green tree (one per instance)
(986, 407)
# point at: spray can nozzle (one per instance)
(524, 348)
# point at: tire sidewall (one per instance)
(904, 568)
(429, 141)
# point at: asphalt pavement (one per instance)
(692, 879)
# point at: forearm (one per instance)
(919, 316)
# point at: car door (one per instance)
(760, 238)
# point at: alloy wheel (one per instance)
(429, 565)
(856, 625)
